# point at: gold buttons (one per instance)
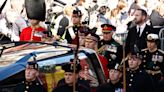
(153, 67)
(131, 79)
(27, 87)
(37, 83)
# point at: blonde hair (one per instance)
(68, 10)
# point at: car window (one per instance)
(14, 54)
(51, 70)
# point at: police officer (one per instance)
(115, 75)
(153, 58)
(137, 80)
(108, 46)
(66, 84)
(32, 82)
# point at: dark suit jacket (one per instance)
(133, 39)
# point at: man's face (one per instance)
(114, 75)
(90, 44)
(69, 77)
(30, 74)
(151, 45)
(138, 17)
(76, 19)
(34, 22)
(134, 63)
(103, 9)
(107, 36)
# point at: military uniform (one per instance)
(138, 81)
(153, 62)
(33, 86)
(70, 33)
(109, 87)
(30, 86)
(81, 86)
(110, 49)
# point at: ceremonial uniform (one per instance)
(109, 87)
(110, 49)
(138, 81)
(115, 74)
(32, 83)
(33, 86)
(28, 34)
(80, 87)
(64, 86)
(91, 41)
(153, 61)
(70, 33)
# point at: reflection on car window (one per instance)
(88, 73)
(14, 54)
(53, 72)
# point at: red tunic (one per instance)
(27, 32)
(104, 63)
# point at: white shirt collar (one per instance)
(141, 28)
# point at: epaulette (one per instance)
(144, 49)
(161, 51)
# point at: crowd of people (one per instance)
(96, 27)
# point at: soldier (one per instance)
(70, 33)
(153, 58)
(32, 82)
(108, 46)
(115, 75)
(34, 32)
(91, 41)
(66, 84)
(137, 80)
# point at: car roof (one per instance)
(44, 53)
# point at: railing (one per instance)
(161, 36)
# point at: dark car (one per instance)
(50, 58)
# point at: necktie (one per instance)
(138, 33)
